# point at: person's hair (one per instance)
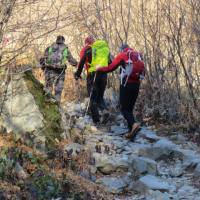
(123, 46)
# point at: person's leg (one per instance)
(49, 80)
(93, 95)
(102, 82)
(128, 97)
(59, 85)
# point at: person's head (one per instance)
(122, 47)
(89, 40)
(60, 39)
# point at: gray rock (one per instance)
(108, 164)
(157, 195)
(154, 153)
(73, 149)
(117, 130)
(39, 143)
(113, 184)
(165, 143)
(21, 117)
(190, 158)
(176, 170)
(138, 186)
(149, 135)
(154, 183)
(21, 174)
(197, 171)
(187, 192)
(141, 165)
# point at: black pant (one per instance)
(96, 89)
(128, 97)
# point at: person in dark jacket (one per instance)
(96, 81)
(54, 66)
(132, 71)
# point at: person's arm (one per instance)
(86, 54)
(43, 60)
(71, 59)
(118, 61)
(46, 53)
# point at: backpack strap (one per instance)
(130, 66)
(65, 55)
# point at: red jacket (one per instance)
(122, 59)
(85, 58)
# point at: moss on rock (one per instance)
(52, 118)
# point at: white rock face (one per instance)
(21, 109)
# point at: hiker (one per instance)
(132, 72)
(94, 52)
(54, 66)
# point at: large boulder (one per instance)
(141, 165)
(28, 114)
(109, 164)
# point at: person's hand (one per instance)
(98, 67)
(42, 61)
(77, 76)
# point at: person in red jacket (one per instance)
(96, 82)
(132, 71)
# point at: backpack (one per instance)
(100, 55)
(128, 70)
(57, 55)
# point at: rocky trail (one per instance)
(42, 158)
(153, 167)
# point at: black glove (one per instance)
(42, 61)
(77, 76)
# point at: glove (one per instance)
(77, 76)
(42, 61)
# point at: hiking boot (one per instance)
(132, 134)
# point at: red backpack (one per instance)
(134, 68)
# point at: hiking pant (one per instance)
(54, 78)
(128, 97)
(96, 90)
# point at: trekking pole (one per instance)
(91, 93)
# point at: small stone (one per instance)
(93, 128)
(73, 149)
(21, 174)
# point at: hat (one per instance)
(89, 40)
(60, 39)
